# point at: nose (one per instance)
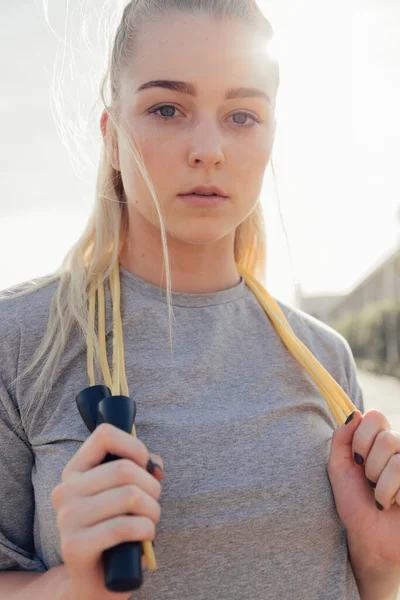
(206, 147)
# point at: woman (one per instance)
(260, 496)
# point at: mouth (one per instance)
(206, 190)
(203, 200)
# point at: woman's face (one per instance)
(203, 138)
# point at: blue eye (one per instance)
(169, 117)
(155, 111)
(248, 116)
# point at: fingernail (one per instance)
(153, 544)
(349, 418)
(151, 466)
(371, 483)
(359, 459)
(379, 506)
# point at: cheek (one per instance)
(252, 161)
(160, 154)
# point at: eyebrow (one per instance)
(190, 89)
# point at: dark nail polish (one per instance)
(151, 466)
(157, 466)
(359, 459)
(371, 483)
(349, 418)
(153, 544)
(379, 506)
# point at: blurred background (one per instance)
(333, 221)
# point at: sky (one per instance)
(333, 215)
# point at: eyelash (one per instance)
(155, 110)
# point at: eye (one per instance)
(247, 116)
(170, 108)
(167, 117)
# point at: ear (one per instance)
(110, 141)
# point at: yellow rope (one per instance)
(334, 395)
(119, 378)
(338, 402)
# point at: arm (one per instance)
(23, 585)
(374, 582)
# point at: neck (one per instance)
(195, 268)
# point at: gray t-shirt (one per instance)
(247, 509)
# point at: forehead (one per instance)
(202, 50)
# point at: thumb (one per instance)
(341, 455)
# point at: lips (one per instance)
(206, 190)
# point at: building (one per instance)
(382, 283)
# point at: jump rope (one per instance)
(112, 403)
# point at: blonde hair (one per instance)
(97, 250)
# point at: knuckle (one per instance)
(373, 412)
(103, 432)
(131, 491)
(376, 417)
(388, 440)
(66, 515)
(125, 470)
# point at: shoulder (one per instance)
(315, 334)
(28, 294)
(328, 346)
(24, 305)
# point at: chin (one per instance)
(199, 234)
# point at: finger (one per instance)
(155, 466)
(106, 439)
(386, 444)
(109, 475)
(78, 547)
(156, 458)
(90, 510)
(388, 485)
(373, 423)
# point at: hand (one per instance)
(92, 502)
(371, 437)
